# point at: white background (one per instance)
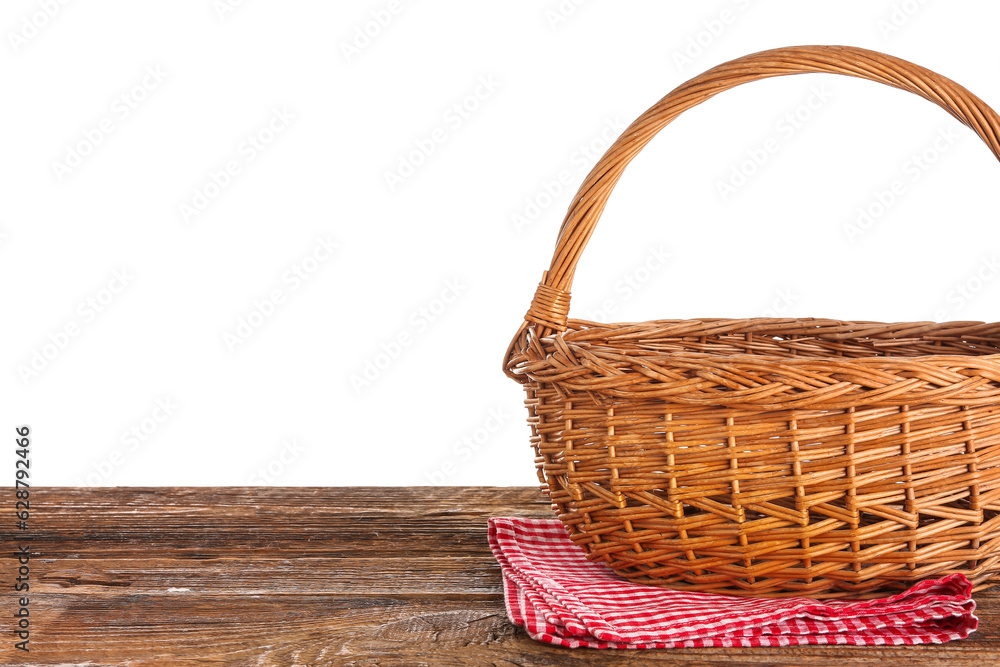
(563, 80)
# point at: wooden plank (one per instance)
(379, 630)
(461, 576)
(296, 576)
(289, 500)
(287, 520)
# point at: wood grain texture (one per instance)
(318, 576)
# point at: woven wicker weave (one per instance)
(766, 456)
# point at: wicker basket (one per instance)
(766, 456)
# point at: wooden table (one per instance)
(316, 576)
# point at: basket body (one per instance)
(771, 457)
(790, 485)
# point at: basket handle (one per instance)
(550, 305)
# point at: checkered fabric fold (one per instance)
(559, 597)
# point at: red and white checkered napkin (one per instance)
(560, 597)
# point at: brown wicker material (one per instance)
(766, 456)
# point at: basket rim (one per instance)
(745, 380)
(573, 329)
